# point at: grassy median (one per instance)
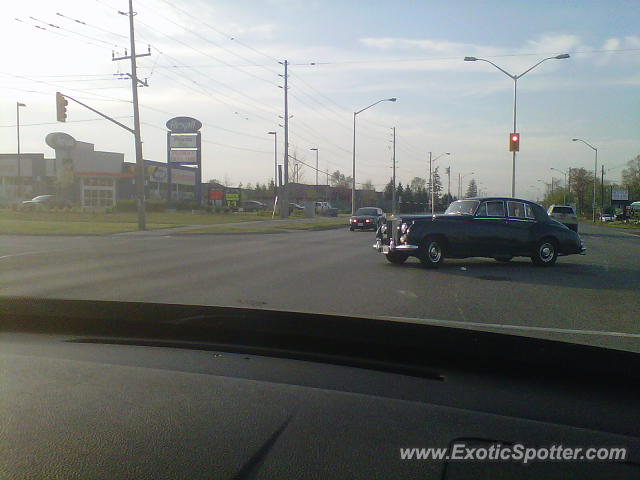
(320, 224)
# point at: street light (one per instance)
(275, 160)
(18, 105)
(316, 150)
(564, 200)
(595, 174)
(460, 178)
(433, 194)
(515, 89)
(353, 175)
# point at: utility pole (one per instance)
(19, 189)
(602, 191)
(449, 183)
(140, 173)
(284, 205)
(393, 195)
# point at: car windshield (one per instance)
(462, 207)
(222, 162)
(366, 211)
(41, 197)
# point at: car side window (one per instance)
(516, 209)
(495, 209)
(529, 211)
(482, 211)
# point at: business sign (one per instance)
(184, 125)
(184, 176)
(60, 141)
(183, 156)
(157, 174)
(183, 141)
(232, 197)
(216, 194)
(620, 194)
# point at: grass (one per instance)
(301, 225)
(27, 227)
(626, 226)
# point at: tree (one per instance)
(338, 179)
(631, 178)
(368, 185)
(388, 191)
(581, 181)
(472, 189)
(417, 184)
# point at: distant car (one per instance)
(251, 206)
(325, 208)
(366, 218)
(565, 215)
(607, 217)
(295, 206)
(52, 201)
(494, 227)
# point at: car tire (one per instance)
(431, 253)
(397, 258)
(351, 229)
(545, 253)
(503, 259)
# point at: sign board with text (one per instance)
(620, 194)
(183, 141)
(183, 156)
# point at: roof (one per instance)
(513, 199)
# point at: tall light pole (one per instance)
(353, 174)
(564, 199)
(18, 105)
(393, 191)
(460, 178)
(316, 150)
(433, 193)
(515, 97)
(275, 161)
(595, 174)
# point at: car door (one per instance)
(520, 222)
(488, 229)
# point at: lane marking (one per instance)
(518, 327)
(24, 253)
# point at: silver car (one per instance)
(564, 214)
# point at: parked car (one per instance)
(495, 227)
(251, 206)
(366, 218)
(295, 206)
(607, 217)
(325, 208)
(565, 215)
(51, 201)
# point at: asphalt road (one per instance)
(590, 299)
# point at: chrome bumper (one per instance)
(583, 250)
(380, 248)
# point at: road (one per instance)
(591, 299)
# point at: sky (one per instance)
(220, 62)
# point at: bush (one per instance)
(131, 205)
(186, 206)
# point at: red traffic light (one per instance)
(514, 142)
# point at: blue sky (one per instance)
(365, 51)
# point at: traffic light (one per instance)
(514, 142)
(61, 107)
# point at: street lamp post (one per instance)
(275, 161)
(460, 178)
(595, 174)
(316, 150)
(19, 189)
(433, 194)
(353, 174)
(564, 197)
(515, 97)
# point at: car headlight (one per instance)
(403, 228)
(383, 228)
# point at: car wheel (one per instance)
(503, 259)
(351, 229)
(432, 252)
(397, 257)
(545, 253)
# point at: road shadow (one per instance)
(562, 274)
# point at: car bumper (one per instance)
(404, 248)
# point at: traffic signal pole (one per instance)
(513, 169)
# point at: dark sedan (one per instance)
(366, 218)
(500, 228)
(51, 201)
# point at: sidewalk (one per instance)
(238, 227)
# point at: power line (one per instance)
(67, 121)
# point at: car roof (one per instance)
(512, 199)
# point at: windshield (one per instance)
(366, 211)
(222, 164)
(462, 207)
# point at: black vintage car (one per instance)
(495, 227)
(366, 218)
